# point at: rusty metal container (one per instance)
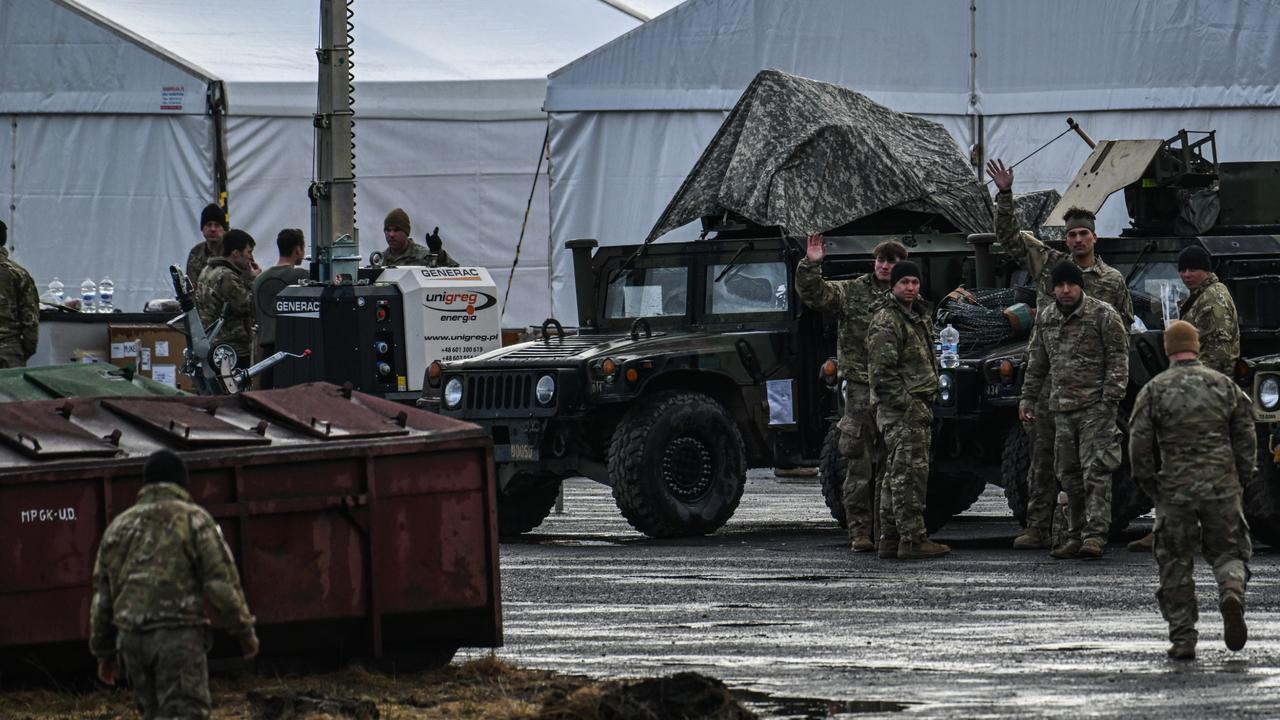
(362, 527)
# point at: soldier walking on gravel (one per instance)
(1100, 281)
(1081, 352)
(1185, 417)
(853, 302)
(904, 380)
(1213, 313)
(158, 562)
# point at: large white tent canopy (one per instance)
(629, 120)
(110, 150)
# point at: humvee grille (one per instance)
(499, 391)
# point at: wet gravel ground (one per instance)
(776, 605)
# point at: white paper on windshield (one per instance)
(642, 300)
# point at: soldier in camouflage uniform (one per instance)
(853, 302)
(1212, 312)
(402, 250)
(19, 309)
(213, 225)
(228, 281)
(1187, 416)
(1081, 351)
(904, 379)
(1101, 282)
(157, 565)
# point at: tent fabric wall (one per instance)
(107, 195)
(625, 117)
(474, 187)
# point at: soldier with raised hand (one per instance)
(228, 282)
(1100, 281)
(1080, 351)
(1212, 312)
(904, 380)
(158, 563)
(853, 302)
(19, 309)
(402, 250)
(1186, 416)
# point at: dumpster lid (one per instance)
(50, 435)
(327, 412)
(189, 425)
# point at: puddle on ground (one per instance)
(790, 708)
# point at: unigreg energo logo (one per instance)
(458, 306)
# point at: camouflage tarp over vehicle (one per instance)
(809, 156)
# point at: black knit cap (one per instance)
(1194, 257)
(904, 268)
(1067, 271)
(165, 466)
(213, 213)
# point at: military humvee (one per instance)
(692, 363)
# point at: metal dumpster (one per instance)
(362, 527)
(75, 379)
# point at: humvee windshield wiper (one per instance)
(734, 260)
(624, 270)
(1140, 261)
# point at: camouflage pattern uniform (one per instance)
(197, 260)
(1102, 282)
(1084, 357)
(854, 302)
(19, 313)
(418, 256)
(224, 283)
(157, 564)
(1186, 416)
(904, 380)
(1213, 312)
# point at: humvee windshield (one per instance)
(1145, 286)
(649, 292)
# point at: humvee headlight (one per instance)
(545, 391)
(1269, 393)
(946, 388)
(453, 393)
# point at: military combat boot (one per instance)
(862, 543)
(1181, 651)
(1067, 550)
(1030, 539)
(1234, 631)
(1091, 549)
(888, 548)
(1144, 543)
(926, 548)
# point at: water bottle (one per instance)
(950, 341)
(106, 290)
(88, 295)
(1168, 302)
(57, 291)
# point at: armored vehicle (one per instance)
(1177, 194)
(692, 363)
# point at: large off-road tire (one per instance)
(525, 502)
(948, 494)
(1127, 499)
(1262, 498)
(1015, 461)
(831, 469)
(678, 465)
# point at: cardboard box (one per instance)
(155, 351)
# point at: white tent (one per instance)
(629, 120)
(110, 149)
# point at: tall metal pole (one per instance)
(335, 245)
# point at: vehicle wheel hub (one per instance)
(686, 468)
